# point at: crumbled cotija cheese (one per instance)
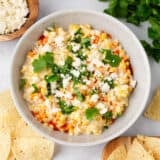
(12, 15)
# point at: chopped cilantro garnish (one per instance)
(68, 61)
(76, 80)
(35, 88)
(66, 109)
(110, 83)
(79, 95)
(22, 83)
(78, 32)
(108, 115)
(119, 114)
(70, 48)
(110, 58)
(94, 91)
(77, 36)
(91, 113)
(49, 92)
(81, 55)
(43, 62)
(51, 78)
(65, 69)
(85, 73)
(86, 42)
(39, 64)
(55, 68)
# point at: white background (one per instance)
(142, 126)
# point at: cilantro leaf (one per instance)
(108, 115)
(39, 64)
(154, 30)
(66, 109)
(110, 83)
(91, 112)
(156, 43)
(136, 12)
(110, 58)
(51, 78)
(35, 88)
(152, 51)
(103, 0)
(43, 62)
(94, 91)
(49, 92)
(86, 42)
(143, 12)
(23, 82)
(79, 95)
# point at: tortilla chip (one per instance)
(8, 114)
(151, 144)
(137, 152)
(24, 130)
(153, 110)
(32, 149)
(11, 156)
(22, 137)
(119, 153)
(5, 144)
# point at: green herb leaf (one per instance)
(110, 58)
(43, 62)
(77, 36)
(51, 78)
(110, 83)
(79, 95)
(133, 19)
(49, 92)
(143, 12)
(137, 11)
(66, 109)
(91, 113)
(108, 115)
(81, 55)
(78, 32)
(86, 42)
(154, 30)
(156, 43)
(35, 88)
(23, 82)
(94, 91)
(39, 64)
(103, 0)
(147, 47)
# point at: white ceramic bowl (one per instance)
(131, 44)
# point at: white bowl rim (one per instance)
(21, 112)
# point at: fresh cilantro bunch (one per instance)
(136, 12)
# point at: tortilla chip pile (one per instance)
(141, 148)
(17, 140)
(153, 110)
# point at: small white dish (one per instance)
(130, 43)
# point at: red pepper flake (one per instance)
(54, 125)
(42, 40)
(96, 39)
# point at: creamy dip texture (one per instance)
(77, 80)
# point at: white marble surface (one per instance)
(142, 125)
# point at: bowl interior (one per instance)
(130, 43)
